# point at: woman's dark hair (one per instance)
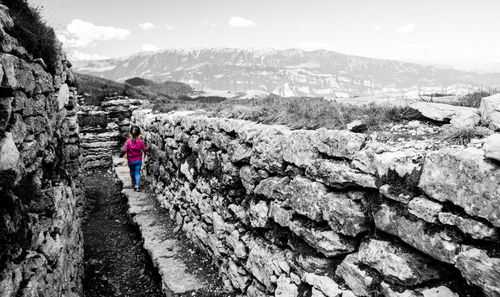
(135, 131)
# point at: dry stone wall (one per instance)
(104, 128)
(328, 212)
(41, 246)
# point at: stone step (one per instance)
(161, 246)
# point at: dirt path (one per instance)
(115, 263)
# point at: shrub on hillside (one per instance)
(33, 33)
(473, 99)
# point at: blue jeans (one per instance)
(135, 172)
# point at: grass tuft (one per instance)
(462, 136)
(33, 33)
(473, 99)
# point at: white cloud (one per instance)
(407, 29)
(80, 33)
(313, 45)
(378, 28)
(298, 25)
(76, 55)
(147, 26)
(169, 27)
(239, 22)
(149, 48)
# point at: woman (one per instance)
(133, 147)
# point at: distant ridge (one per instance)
(289, 72)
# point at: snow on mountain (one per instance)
(290, 72)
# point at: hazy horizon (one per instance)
(453, 33)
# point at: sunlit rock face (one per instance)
(41, 246)
(328, 212)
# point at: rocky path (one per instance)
(115, 263)
(184, 270)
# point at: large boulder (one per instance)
(492, 147)
(441, 112)
(463, 177)
(490, 111)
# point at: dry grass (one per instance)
(300, 113)
(32, 32)
(473, 99)
(462, 136)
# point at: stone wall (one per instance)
(41, 245)
(104, 129)
(329, 212)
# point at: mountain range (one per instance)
(290, 72)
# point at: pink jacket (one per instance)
(134, 150)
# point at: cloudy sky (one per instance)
(459, 32)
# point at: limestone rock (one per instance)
(259, 214)
(249, 178)
(343, 214)
(285, 288)
(404, 162)
(480, 269)
(265, 262)
(274, 188)
(463, 177)
(466, 120)
(314, 264)
(357, 279)
(415, 234)
(326, 242)
(441, 112)
(324, 284)
(237, 276)
(239, 152)
(338, 143)
(440, 291)
(239, 248)
(5, 112)
(475, 229)
(490, 111)
(425, 209)
(338, 174)
(306, 196)
(9, 156)
(298, 149)
(268, 149)
(356, 126)
(397, 264)
(491, 147)
(386, 191)
(5, 18)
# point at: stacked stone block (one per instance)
(41, 245)
(328, 212)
